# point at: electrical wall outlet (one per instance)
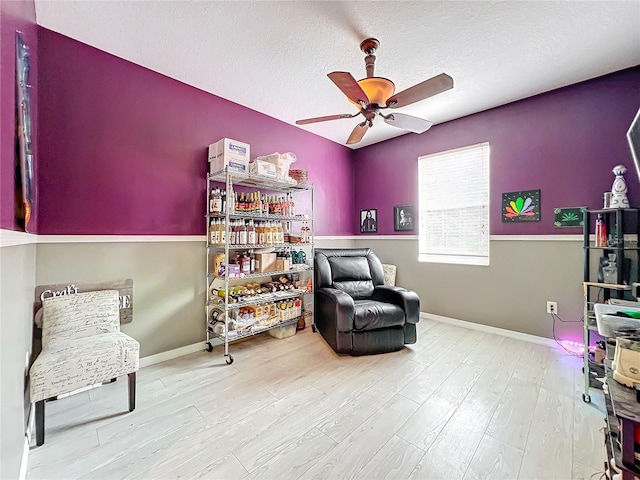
(552, 307)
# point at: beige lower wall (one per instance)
(17, 282)
(511, 293)
(168, 283)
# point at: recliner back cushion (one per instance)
(352, 275)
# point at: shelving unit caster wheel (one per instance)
(209, 347)
(228, 359)
(586, 398)
(314, 329)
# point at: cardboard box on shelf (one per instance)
(227, 152)
(265, 262)
(260, 167)
(282, 162)
(282, 264)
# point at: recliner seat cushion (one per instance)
(371, 315)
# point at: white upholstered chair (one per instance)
(389, 274)
(81, 346)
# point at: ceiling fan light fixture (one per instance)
(378, 89)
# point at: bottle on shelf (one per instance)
(601, 232)
(286, 237)
(258, 203)
(262, 234)
(268, 233)
(212, 232)
(292, 207)
(223, 231)
(279, 233)
(251, 234)
(304, 232)
(232, 232)
(245, 263)
(242, 233)
(216, 201)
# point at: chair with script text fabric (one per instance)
(81, 346)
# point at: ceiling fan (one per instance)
(373, 94)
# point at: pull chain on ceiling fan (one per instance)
(372, 94)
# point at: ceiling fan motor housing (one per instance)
(369, 47)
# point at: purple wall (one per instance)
(123, 149)
(564, 142)
(14, 15)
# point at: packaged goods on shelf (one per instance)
(300, 176)
(229, 153)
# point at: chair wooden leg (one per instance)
(132, 391)
(40, 423)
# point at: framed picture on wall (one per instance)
(403, 218)
(369, 221)
(522, 206)
(25, 186)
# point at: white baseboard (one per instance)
(547, 342)
(200, 346)
(25, 460)
(171, 354)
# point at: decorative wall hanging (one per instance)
(521, 206)
(369, 221)
(24, 184)
(403, 218)
(568, 217)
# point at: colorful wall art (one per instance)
(521, 206)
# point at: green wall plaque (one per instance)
(568, 217)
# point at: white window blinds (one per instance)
(454, 206)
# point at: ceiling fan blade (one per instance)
(325, 119)
(428, 88)
(345, 82)
(357, 133)
(407, 122)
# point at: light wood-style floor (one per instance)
(460, 404)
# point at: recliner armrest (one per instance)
(406, 299)
(337, 304)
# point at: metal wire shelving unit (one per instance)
(224, 306)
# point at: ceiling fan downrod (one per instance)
(369, 47)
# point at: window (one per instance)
(454, 206)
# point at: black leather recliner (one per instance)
(354, 311)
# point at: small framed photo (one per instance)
(403, 218)
(369, 221)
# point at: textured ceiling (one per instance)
(273, 57)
